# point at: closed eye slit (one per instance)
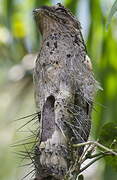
(60, 10)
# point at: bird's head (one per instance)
(55, 18)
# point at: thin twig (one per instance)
(83, 154)
(93, 161)
(97, 144)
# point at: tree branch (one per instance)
(98, 145)
(93, 161)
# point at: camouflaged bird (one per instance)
(64, 92)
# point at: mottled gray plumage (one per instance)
(64, 91)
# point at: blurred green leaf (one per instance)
(111, 86)
(112, 161)
(18, 26)
(39, 3)
(112, 12)
(72, 5)
(9, 7)
(108, 135)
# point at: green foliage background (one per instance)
(19, 37)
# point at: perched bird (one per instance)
(64, 91)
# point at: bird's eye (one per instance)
(61, 10)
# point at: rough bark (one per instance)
(64, 91)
